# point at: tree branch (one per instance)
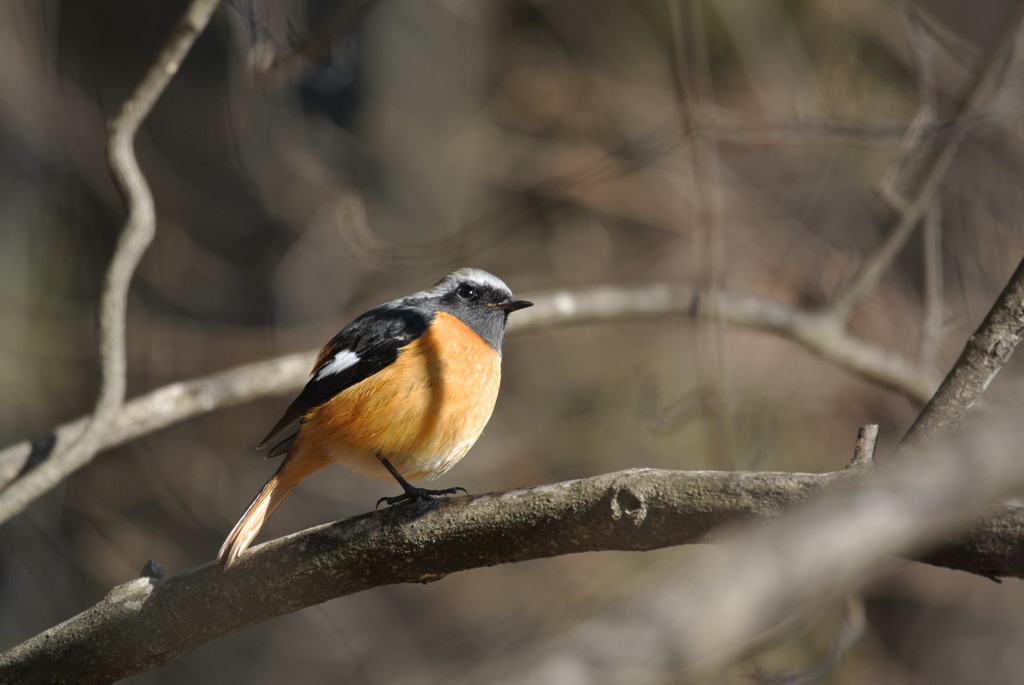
(177, 402)
(723, 602)
(836, 543)
(985, 353)
(135, 238)
(148, 622)
(816, 331)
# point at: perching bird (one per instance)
(403, 391)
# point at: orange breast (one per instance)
(423, 412)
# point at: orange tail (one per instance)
(297, 465)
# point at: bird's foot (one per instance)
(413, 494)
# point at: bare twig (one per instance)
(148, 622)
(179, 401)
(934, 312)
(877, 264)
(696, 90)
(817, 332)
(864, 451)
(173, 403)
(135, 237)
(932, 170)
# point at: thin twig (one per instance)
(857, 288)
(173, 403)
(932, 171)
(934, 312)
(135, 238)
(816, 332)
(696, 91)
(932, 324)
(864, 451)
(179, 401)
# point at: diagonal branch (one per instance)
(984, 355)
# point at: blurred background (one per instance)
(559, 144)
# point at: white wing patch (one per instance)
(341, 361)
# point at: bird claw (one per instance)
(413, 494)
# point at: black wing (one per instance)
(375, 338)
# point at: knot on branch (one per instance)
(630, 505)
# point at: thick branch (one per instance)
(135, 238)
(837, 542)
(147, 622)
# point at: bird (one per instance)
(402, 392)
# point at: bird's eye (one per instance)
(465, 291)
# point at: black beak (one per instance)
(514, 305)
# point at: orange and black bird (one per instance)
(402, 392)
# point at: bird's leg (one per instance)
(412, 493)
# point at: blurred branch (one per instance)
(179, 401)
(932, 325)
(836, 542)
(932, 169)
(316, 47)
(135, 238)
(693, 73)
(729, 598)
(854, 623)
(149, 622)
(742, 128)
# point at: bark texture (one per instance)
(148, 622)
